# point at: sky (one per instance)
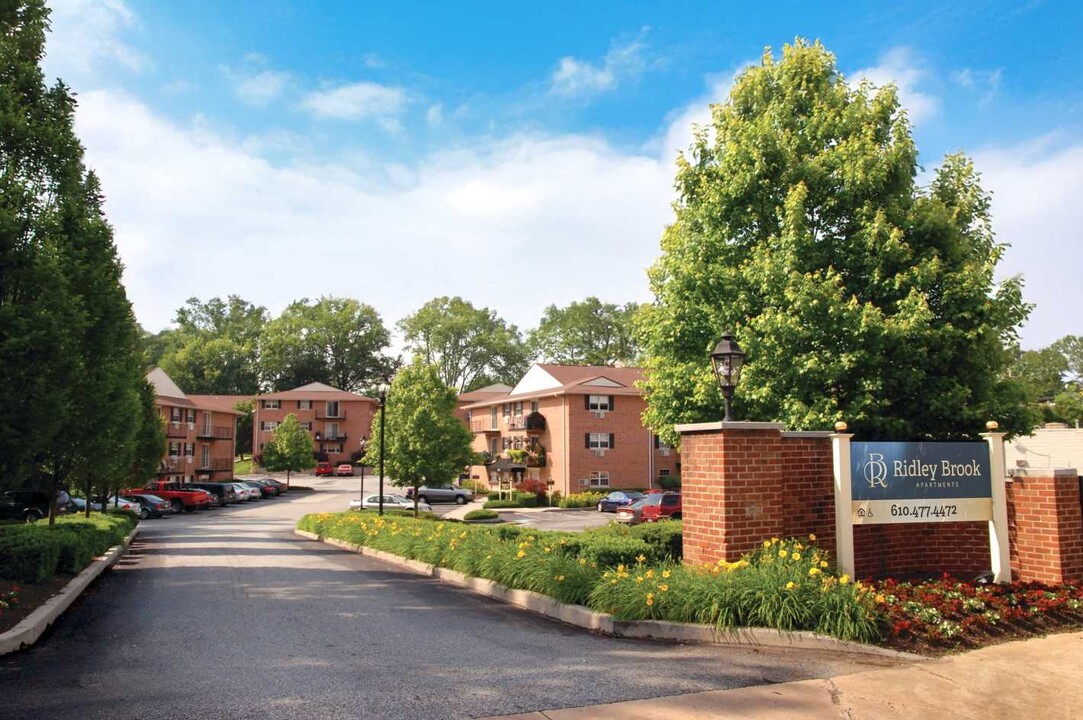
(517, 155)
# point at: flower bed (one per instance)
(946, 614)
(633, 573)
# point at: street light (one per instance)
(382, 388)
(727, 360)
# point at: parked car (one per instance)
(391, 502)
(224, 493)
(281, 486)
(448, 493)
(344, 470)
(113, 502)
(262, 491)
(181, 496)
(618, 499)
(654, 507)
(324, 469)
(269, 489)
(151, 506)
(26, 505)
(246, 491)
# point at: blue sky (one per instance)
(517, 156)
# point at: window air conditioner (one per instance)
(665, 452)
(584, 482)
(600, 452)
(599, 413)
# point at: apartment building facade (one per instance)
(200, 430)
(577, 427)
(339, 421)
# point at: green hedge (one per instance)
(581, 500)
(481, 515)
(632, 573)
(34, 553)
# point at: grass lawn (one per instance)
(242, 467)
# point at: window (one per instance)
(307, 425)
(600, 441)
(518, 442)
(191, 416)
(492, 418)
(190, 449)
(174, 449)
(492, 447)
(599, 403)
(469, 416)
(270, 404)
(332, 409)
(599, 478)
(333, 449)
(331, 431)
(505, 443)
(175, 414)
(506, 410)
(533, 406)
(205, 456)
(304, 404)
(268, 425)
(519, 409)
(663, 472)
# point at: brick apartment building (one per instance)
(200, 432)
(338, 420)
(581, 428)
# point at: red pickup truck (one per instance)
(180, 496)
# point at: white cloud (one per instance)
(356, 102)
(1036, 210)
(372, 60)
(901, 67)
(261, 88)
(513, 225)
(87, 37)
(435, 115)
(987, 82)
(577, 78)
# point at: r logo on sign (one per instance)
(876, 470)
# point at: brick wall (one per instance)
(743, 486)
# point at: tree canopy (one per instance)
(290, 448)
(857, 295)
(587, 333)
(425, 442)
(469, 347)
(337, 341)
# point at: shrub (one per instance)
(538, 488)
(527, 500)
(28, 553)
(581, 500)
(518, 456)
(481, 515)
(34, 553)
(669, 482)
(479, 487)
(500, 504)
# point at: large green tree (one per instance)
(857, 294)
(587, 333)
(68, 341)
(336, 341)
(425, 442)
(469, 347)
(290, 449)
(214, 348)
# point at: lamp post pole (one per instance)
(383, 442)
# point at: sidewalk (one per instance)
(1040, 678)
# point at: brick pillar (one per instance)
(732, 487)
(1046, 525)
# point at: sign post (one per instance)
(998, 524)
(844, 527)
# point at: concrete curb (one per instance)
(27, 632)
(603, 623)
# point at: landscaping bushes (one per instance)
(481, 515)
(581, 500)
(33, 553)
(634, 573)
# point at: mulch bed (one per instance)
(27, 599)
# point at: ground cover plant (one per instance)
(581, 500)
(944, 614)
(633, 573)
(33, 553)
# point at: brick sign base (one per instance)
(743, 483)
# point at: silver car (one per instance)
(391, 502)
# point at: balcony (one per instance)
(219, 432)
(532, 423)
(321, 414)
(320, 437)
(215, 465)
(484, 425)
(176, 429)
(170, 465)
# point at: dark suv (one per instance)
(26, 505)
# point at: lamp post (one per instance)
(383, 388)
(727, 360)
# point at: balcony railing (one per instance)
(322, 415)
(485, 425)
(176, 429)
(218, 432)
(320, 437)
(215, 464)
(534, 422)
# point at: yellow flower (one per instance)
(582, 561)
(641, 558)
(521, 553)
(796, 556)
(843, 579)
(620, 568)
(790, 585)
(605, 574)
(813, 572)
(767, 543)
(782, 553)
(823, 563)
(639, 578)
(812, 537)
(880, 599)
(664, 587)
(649, 573)
(774, 540)
(798, 546)
(560, 578)
(650, 601)
(665, 573)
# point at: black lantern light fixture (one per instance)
(727, 360)
(382, 388)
